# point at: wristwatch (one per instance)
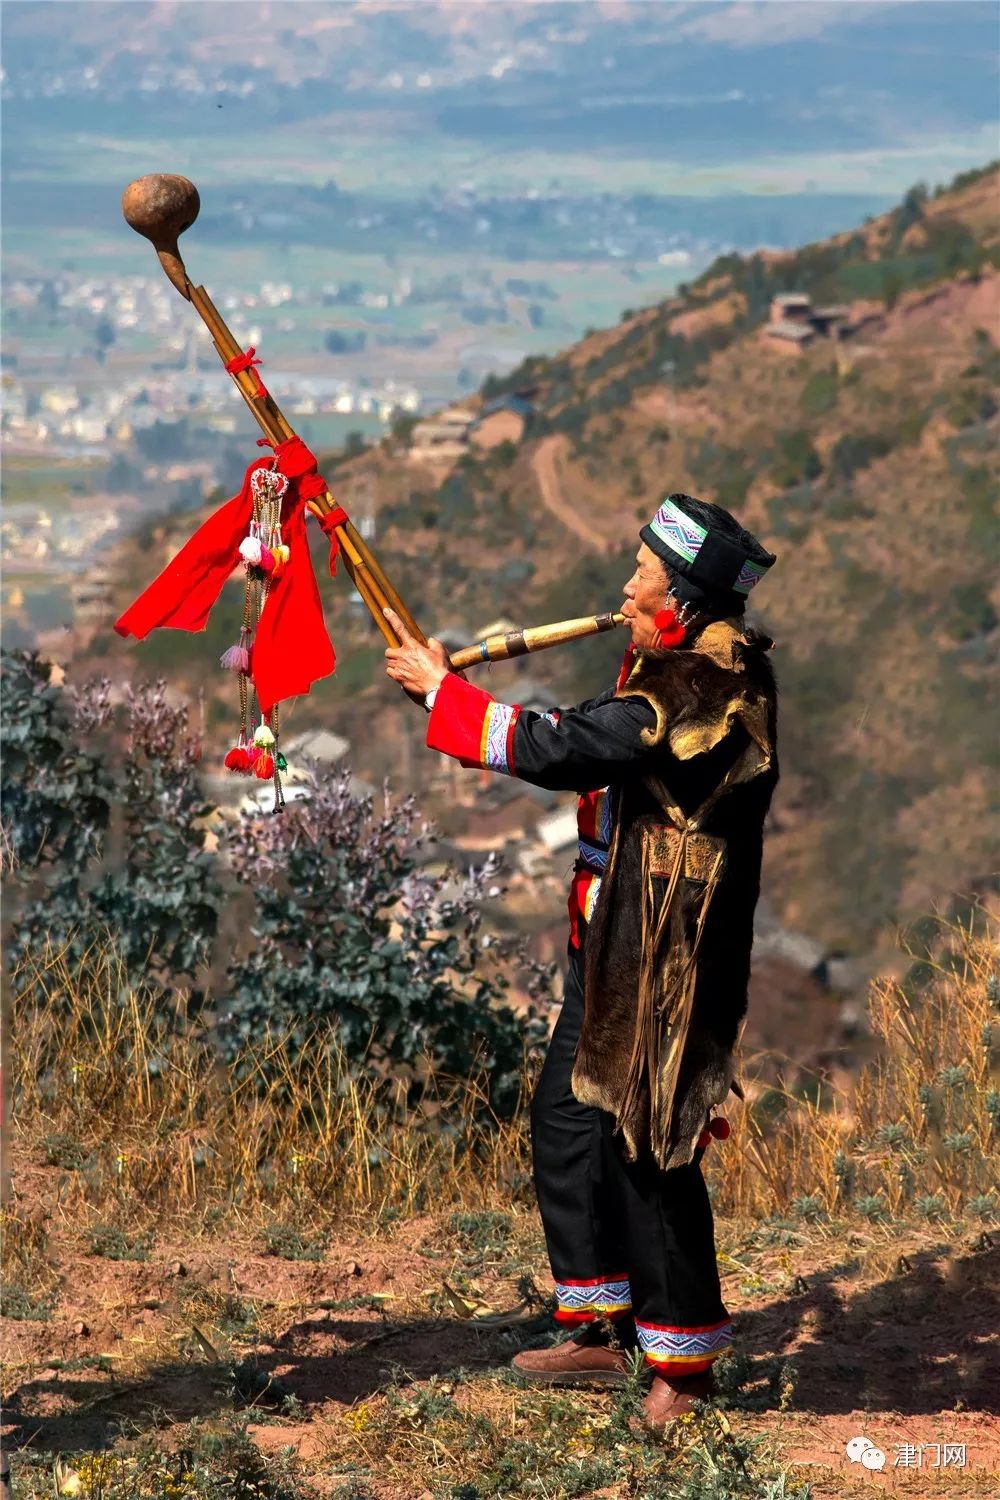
(429, 699)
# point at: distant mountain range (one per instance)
(864, 89)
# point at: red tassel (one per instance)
(672, 632)
(238, 760)
(263, 766)
(718, 1129)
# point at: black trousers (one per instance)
(624, 1238)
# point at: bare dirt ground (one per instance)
(664, 404)
(840, 1335)
(545, 463)
(965, 303)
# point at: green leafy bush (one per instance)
(348, 936)
(970, 404)
(979, 492)
(795, 458)
(820, 392)
(726, 472)
(971, 611)
(352, 938)
(105, 835)
(856, 450)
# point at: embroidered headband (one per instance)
(678, 532)
(719, 557)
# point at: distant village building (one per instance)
(88, 429)
(559, 830)
(506, 419)
(60, 399)
(320, 745)
(453, 636)
(445, 435)
(795, 323)
(449, 433)
(793, 306)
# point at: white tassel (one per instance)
(236, 659)
(250, 550)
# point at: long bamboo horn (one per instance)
(534, 638)
(160, 207)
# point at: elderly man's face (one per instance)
(645, 594)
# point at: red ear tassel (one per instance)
(672, 632)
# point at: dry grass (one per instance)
(155, 1127)
(152, 1127)
(918, 1130)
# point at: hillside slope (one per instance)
(868, 463)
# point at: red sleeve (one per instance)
(472, 726)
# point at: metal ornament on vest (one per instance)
(705, 545)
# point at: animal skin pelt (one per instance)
(667, 960)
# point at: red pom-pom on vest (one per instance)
(263, 766)
(237, 760)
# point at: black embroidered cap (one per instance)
(708, 547)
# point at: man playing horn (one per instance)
(675, 767)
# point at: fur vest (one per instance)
(667, 960)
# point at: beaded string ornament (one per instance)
(257, 752)
(673, 621)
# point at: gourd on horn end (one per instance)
(161, 206)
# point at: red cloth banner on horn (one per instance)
(292, 649)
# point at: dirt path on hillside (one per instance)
(545, 464)
(388, 1334)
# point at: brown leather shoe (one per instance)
(585, 1359)
(670, 1397)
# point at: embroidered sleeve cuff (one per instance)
(469, 724)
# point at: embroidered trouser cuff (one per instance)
(585, 1301)
(683, 1351)
(670, 1349)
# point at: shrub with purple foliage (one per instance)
(342, 934)
(353, 937)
